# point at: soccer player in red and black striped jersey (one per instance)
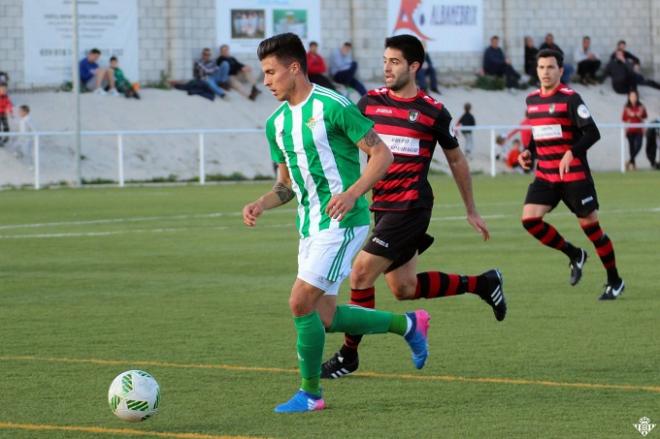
(562, 132)
(410, 123)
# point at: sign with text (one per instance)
(444, 25)
(242, 24)
(108, 25)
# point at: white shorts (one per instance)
(324, 260)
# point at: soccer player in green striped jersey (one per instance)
(315, 137)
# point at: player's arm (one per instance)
(460, 170)
(589, 134)
(380, 158)
(280, 194)
(525, 157)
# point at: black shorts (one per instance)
(579, 196)
(399, 235)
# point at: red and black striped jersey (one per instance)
(410, 128)
(557, 120)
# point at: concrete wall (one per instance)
(172, 32)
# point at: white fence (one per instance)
(120, 136)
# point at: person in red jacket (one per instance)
(634, 112)
(6, 109)
(316, 67)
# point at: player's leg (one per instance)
(407, 284)
(587, 214)
(541, 198)
(366, 269)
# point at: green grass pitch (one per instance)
(167, 279)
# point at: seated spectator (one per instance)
(623, 74)
(123, 85)
(496, 64)
(629, 57)
(467, 120)
(530, 61)
(511, 159)
(6, 110)
(239, 74)
(95, 78)
(549, 43)
(316, 67)
(427, 70)
(587, 62)
(214, 75)
(344, 69)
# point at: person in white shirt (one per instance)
(587, 62)
(23, 144)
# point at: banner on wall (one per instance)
(244, 23)
(109, 25)
(444, 25)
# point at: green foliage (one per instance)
(156, 275)
(487, 82)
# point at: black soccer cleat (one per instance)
(576, 265)
(339, 366)
(613, 290)
(494, 295)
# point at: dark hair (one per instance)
(287, 48)
(313, 43)
(494, 37)
(586, 37)
(409, 45)
(95, 51)
(25, 108)
(467, 107)
(621, 42)
(547, 53)
(628, 103)
(348, 44)
(113, 58)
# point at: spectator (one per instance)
(549, 43)
(587, 62)
(4, 78)
(634, 112)
(95, 78)
(123, 85)
(316, 67)
(467, 120)
(239, 74)
(652, 135)
(23, 143)
(6, 109)
(344, 69)
(629, 57)
(496, 64)
(216, 76)
(511, 159)
(530, 61)
(427, 70)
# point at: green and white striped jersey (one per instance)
(317, 141)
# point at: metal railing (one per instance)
(201, 133)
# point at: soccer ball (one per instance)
(134, 396)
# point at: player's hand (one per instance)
(565, 164)
(478, 224)
(525, 159)
(339, 205)
(251, 212)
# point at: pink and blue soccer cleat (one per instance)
(301, 402)
(417, 337)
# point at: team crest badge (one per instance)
(551, 109)
(311, 123)
(413, 115)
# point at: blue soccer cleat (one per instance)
(417, 337)
(301, 402)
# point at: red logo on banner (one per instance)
(405, 18)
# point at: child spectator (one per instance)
(95, 78)
(122, 84)
(23, 143)
(467, 120)
(316, 67)
(6, 109)
(511, 159)
(634, 112)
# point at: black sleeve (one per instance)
(443, 130)
(239, 65)
(581, 116)
(362, 104)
